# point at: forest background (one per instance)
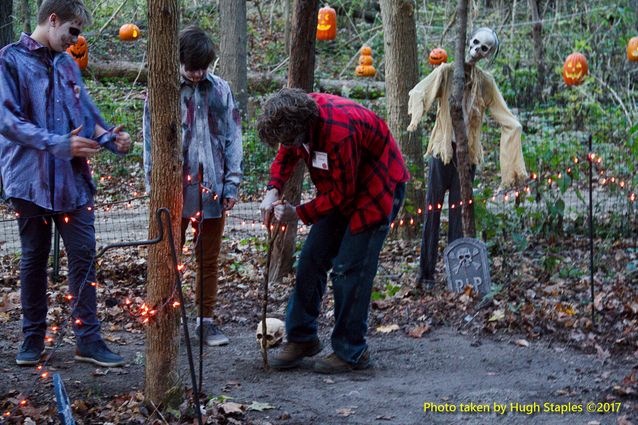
(537, 240)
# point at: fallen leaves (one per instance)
(388, 328)
(260, 407)
(346, 411)
(419, 331)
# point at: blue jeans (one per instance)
(353, 259)
(78, 234)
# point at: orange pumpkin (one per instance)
(632, 49)
(80, 52)
(366, 51)
(575, 69)
(129, 32)
(365, 60)
(437, 56)
(365, 71)
(327, 24)
(365, 68)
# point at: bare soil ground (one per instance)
(444, 367)
(512, 353)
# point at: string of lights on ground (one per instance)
(145, 313)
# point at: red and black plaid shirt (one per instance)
(364, 164)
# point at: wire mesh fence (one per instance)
(553, 204)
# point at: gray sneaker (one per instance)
(212, 336)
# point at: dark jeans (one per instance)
(78, 234)
(441, 178)
(353, 259)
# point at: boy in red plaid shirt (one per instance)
(358, 171)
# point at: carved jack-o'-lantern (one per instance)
(129, 32)
(365, 60)
(327, 24)
(437, 56)
(365, 68)
(632, 49)
(80, 52)
(575, 69)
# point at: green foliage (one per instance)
(389, 291)
(556, 125)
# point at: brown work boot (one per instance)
(333, 364)
(293, 353)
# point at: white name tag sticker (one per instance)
(320, 160)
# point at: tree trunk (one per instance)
(287, 18)
(26, 16)
(232, 50)
(401, 74)
(301, 72)
(458, 122)
(162, 380)
(6, 22)
(539, 53)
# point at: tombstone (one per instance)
(64, 406)
(466, 264)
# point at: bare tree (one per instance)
(539, 49)
(301, 74)
(163, 94)
(458, 122)
(6, 22)
(26, 16)
(232, 51)
(401, 74)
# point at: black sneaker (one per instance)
(31, 350)
(333, 364)
(293, 353)
(212, 336)
(98, 353)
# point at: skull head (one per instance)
(483, 43)
(465, 256)
(274, 332)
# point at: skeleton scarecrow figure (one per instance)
(480, 93)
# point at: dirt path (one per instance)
(443, 367)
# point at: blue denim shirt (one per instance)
(211, 134)
(43, 98)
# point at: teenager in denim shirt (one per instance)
(49, 127)
(211, 135)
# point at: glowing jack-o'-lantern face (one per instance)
(80, 52)
(632, 49)
(437, 56)
(129, 32)
(327, 24)
(575, 69)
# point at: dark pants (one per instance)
(78, 233)
(211, 240)
(353, 259)
(441, 178)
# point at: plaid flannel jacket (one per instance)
(354, 163)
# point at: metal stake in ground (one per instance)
(199, 246)
(591, 231)
(178, 286)
(273, 231)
